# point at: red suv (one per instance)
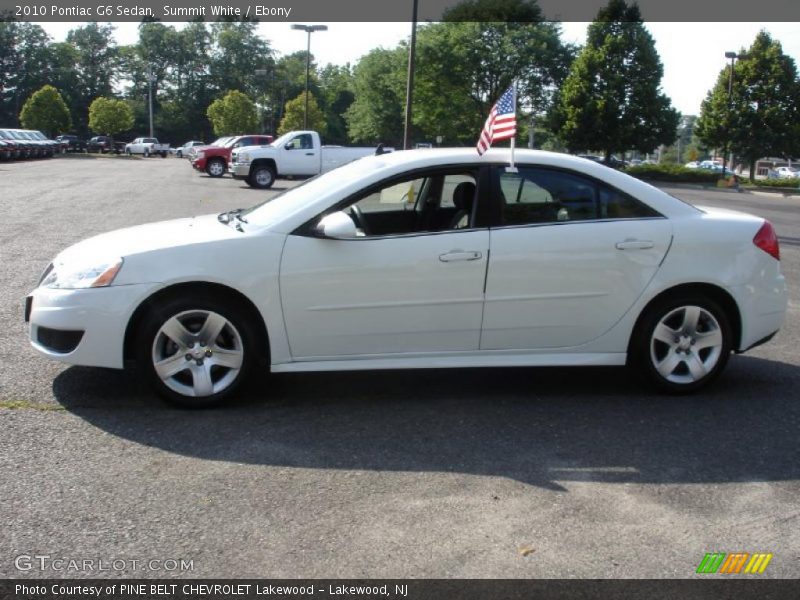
(214, 159)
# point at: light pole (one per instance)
(309, 29)
(150, 79)
(732, 56)
(412, 47)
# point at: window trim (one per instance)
(497, 207)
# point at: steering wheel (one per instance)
(359, 219)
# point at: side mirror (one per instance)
(337, 225)
(289, 146)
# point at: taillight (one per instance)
(767, 240)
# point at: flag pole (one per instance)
(512, 168)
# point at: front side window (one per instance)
(427, 203)
(300, 142)
(540, 195)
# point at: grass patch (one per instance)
(28, 405)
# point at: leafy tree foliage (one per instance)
(293, 116)
(96, 57)
(762, 116)
(46, 110)
(24, 65)
(336, 89)
(611, 99)
(110, 116)
(234, 114)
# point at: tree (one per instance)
(234, 114)
(110, 116)
(96, 65)
(24, 65)
(47, 111)
(611, 99)
(293, 115)
(336, 87)
(762, 117)
(376, 114)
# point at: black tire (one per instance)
(163, 155)
(178, 154)
(216, 167)
(151, 341)
(261, 177)
(694, 368)
(146, 153)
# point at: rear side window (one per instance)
(539, 195)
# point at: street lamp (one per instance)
(732, 56)
(309, 29)
(151, 78)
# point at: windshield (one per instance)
(4, 135)
(300, 196)
(16, 135)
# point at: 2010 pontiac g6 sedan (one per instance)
(431, 258)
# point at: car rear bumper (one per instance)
(83, 327)
(763, 304)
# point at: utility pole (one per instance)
(309, 29)
(150, 79)
(410, 80)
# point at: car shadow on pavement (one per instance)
(537, 426)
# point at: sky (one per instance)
(692, 53)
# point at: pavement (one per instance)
(506, 473)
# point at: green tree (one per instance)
(336, 87)
(110, 116)
(47, 111)
(96, 66)
(611, 99)
(234, 114)
(24, 66)
(379, 84)
(293, 115)
(762, 117)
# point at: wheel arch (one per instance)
(715, 292)
(187, 289)
(261, 162)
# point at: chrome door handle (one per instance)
(632, 244)
(460, 255)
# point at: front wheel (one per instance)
(215, 168)
(261, 177)
(682, 344)
(197, 352)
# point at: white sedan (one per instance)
(417, 259)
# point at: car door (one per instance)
(299, 156)
(412, 287)
(569, 256)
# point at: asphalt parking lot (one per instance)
(467, 473)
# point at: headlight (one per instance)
(201, 154)
(244, 158)
(75, 277)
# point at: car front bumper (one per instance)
(239, 170)
(199, 164)
(83, 327)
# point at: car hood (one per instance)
(146, 238)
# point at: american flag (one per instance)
(502, 121)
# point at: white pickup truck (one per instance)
(295, 153)
(147, 146)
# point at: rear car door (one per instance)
(569, 256)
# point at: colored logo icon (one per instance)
(734, 563)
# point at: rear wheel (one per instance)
(682, 344)
(197, 352)
(215, 168)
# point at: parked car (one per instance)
(101, 144)
(147, 146)
(51, 147)
(71, 143)
(213, 160)
(9, 149)
(396, 262)
(786, 173)
(298, 153)
(692, 165)
(29, 145)
(182, 151)
(192, 154)
(613, 161)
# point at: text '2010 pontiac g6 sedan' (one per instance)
(420, 259)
